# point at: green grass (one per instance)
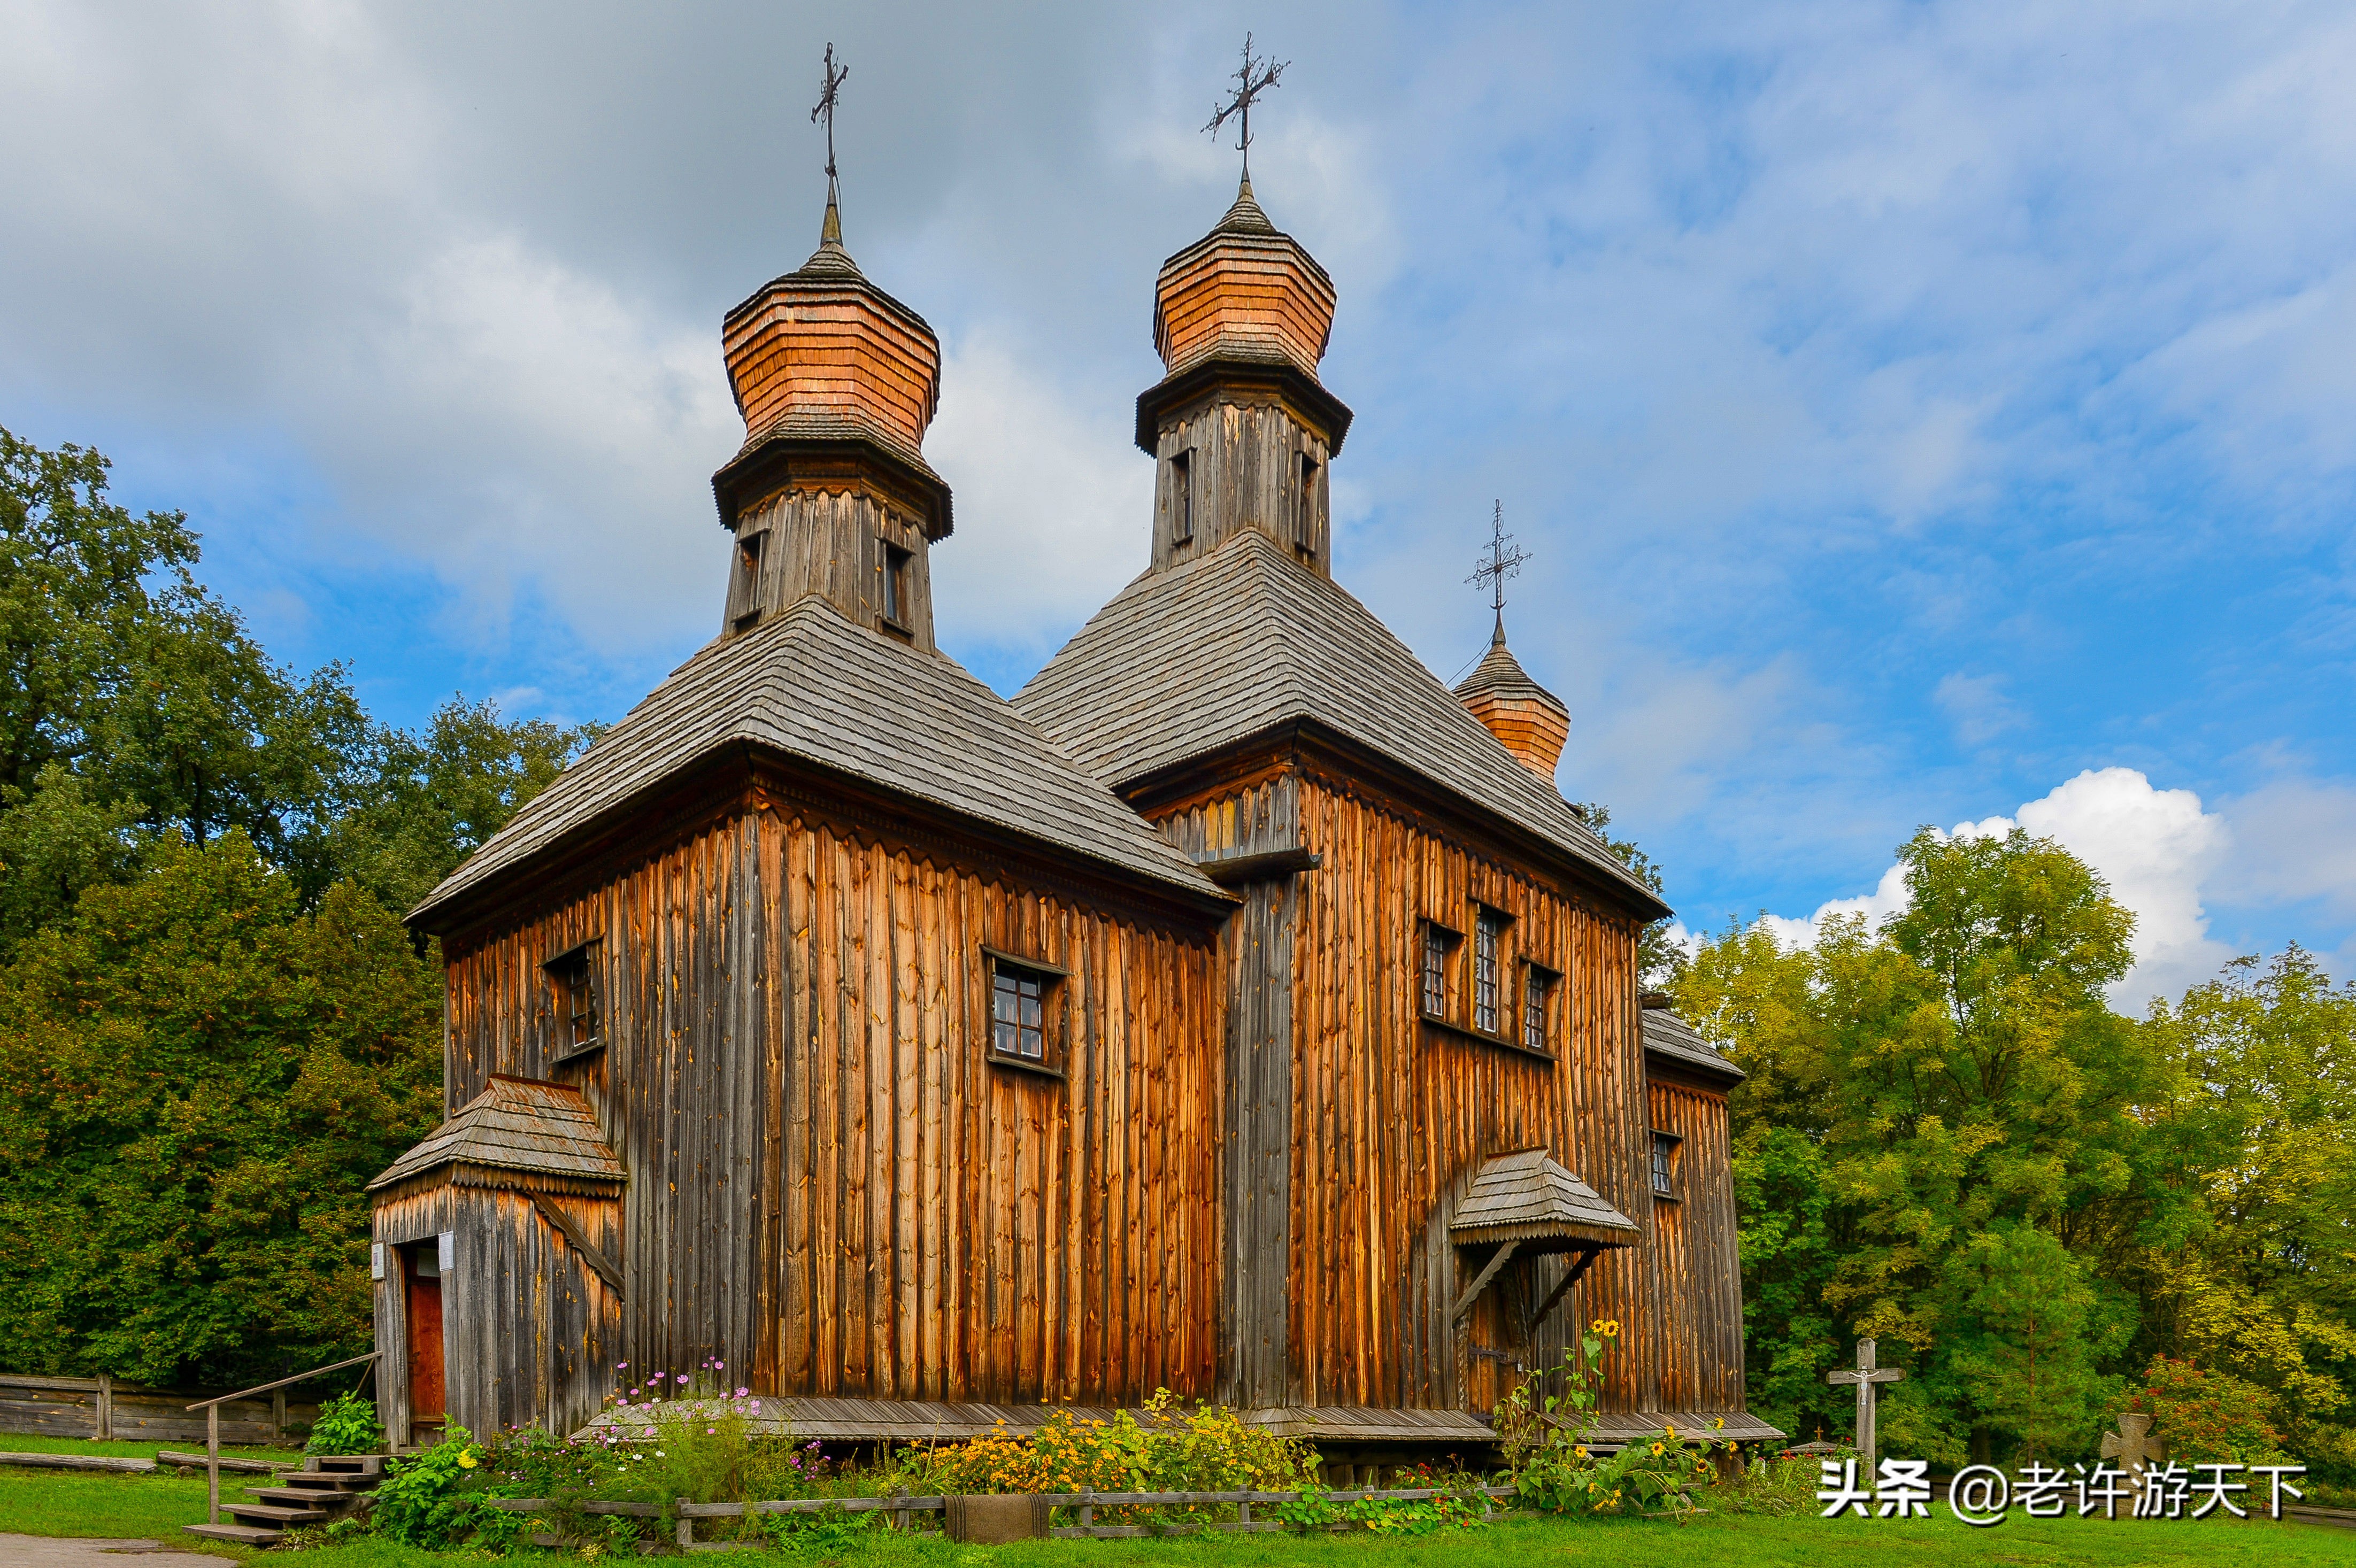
(34, 1502)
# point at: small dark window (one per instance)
(1538, 993)
(1182, 496)
(745, 592)
(1665, 1162)
(573, 979)
(895, 584)
(1305, 534)
(1438, 942)
(1488, 937)
(1018, 1012)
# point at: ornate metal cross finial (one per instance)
(830, 93)
(1500, 564)
(1254, 78)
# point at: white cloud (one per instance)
(2155, 848)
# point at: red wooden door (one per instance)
(425, 1396)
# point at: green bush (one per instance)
(347, 1424)
(441, 1499)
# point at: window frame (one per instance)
(1182, 495)
(1539, 984)
(1054, 1012)
(573, 975)
(1304, 532)
(892, 593)
(746, 589)
(1664, 1172)
(1490, 974)
(1436, 947)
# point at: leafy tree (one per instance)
(2261, 1126)
(1921, 1103)
(434, 797)
(201, 1079)
(119, 670)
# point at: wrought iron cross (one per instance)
(1254, 78)
(1865, 1378)
(1500, 564)
(830, 93)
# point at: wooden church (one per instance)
(1238, 1012)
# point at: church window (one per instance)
(745, 592)
(1537, 996)
(1182, 496)
(1304, 537)
(1438, 943)
(1488, 987)
(1023, 1011)
(895, 567)
(1665, 1165)
(572, 984)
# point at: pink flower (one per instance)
(719, 1366)
(742, 1391)
(621, 1366)
(682, 1377)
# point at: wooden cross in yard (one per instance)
(1865, 1376)
(2134, 1442)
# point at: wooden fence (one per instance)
(103, 1408)
(1084, 1504)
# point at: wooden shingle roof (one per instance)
(1526, 1196)
(516, 1125)
(1245, 639)
(810, 685)
(1680, 1042)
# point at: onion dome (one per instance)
(1244, 298)
(1527, 720)
(823, 358)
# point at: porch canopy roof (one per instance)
(520, 1124)
(1525, 1198)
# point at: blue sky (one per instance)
(1917, 414)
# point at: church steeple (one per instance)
(1527, 720)
(1240, 426)
(830, 493)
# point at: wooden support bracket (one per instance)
(578, 1240)
(1497, 1261)
(1570, 1276)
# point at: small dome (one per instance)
(824, 347)
(1244, 291)
(1527, 720)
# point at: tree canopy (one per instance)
(219, 1029)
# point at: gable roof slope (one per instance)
(1188, 659)
(516, 1125)
(1681, 1042)
(812, 685)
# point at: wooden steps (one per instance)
(327, 1486)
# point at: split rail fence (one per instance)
(109, 1410)
(1084, 1504)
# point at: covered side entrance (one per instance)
(498, 1299)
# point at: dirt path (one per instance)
(81, 1552)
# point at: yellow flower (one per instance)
(1656, 1448)
(467, 1460)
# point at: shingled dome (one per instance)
(1526, 1196)
(516, 1124)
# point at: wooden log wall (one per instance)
(1244, 471)
(1697, 1260)
(830, 1182)
(1257, 950)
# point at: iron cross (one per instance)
(1865, 1378)
(1255, 76)
(1500, 564)
(830, 93)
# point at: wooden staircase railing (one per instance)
(211, 1407)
